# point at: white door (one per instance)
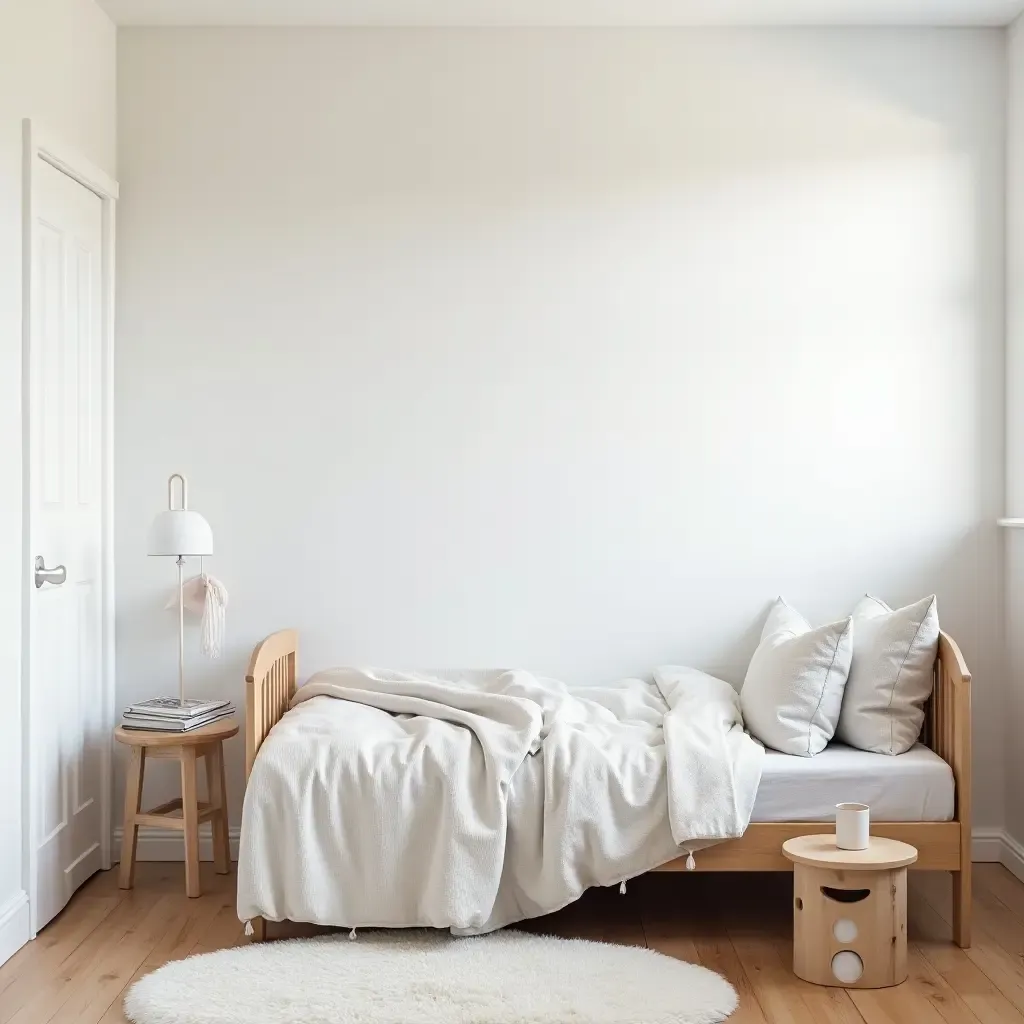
(66, 727)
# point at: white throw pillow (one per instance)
(891, 675)
(793, 690)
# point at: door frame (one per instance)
(39, 144)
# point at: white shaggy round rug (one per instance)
(430, 978)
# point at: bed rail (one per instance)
(270, 682)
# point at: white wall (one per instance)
(1014, 539)
(57, 64)
(562, 349)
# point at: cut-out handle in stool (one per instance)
(845, 895)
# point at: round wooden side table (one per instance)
(185, 813)
(849, 911)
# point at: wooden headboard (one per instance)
(270, 682)
(947, 725)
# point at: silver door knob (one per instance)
(55, 576)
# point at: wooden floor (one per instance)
(739, 925)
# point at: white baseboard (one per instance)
(988, 845)
(1013, 857)
(996, 846)
(15, 925)
(168, 844)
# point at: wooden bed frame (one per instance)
(270, 683)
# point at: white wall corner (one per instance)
(1013, 709)
(1012, 856)
(996, 846)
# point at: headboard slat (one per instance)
(270, 683)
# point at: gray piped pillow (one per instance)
(890, 675)
(793, 689)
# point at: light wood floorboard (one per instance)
(78, 969)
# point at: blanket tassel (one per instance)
(352, 935)
(622, 888)
(691, 864)
(248, 928)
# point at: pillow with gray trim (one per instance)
(890, 676)
(793, 689)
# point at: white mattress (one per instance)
(915, 786)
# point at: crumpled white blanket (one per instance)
(403, 799)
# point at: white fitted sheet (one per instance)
(915, 786)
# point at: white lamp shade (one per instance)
(180, 531)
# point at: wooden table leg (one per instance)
(132, 806)
(190, 816)
(219, 801)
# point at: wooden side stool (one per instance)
(186, 813)
(849, 911)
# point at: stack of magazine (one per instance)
(168, 714)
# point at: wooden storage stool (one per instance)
(849, 911)
(184, 814)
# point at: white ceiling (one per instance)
(563, 12)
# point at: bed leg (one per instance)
(962, 906)
(259, 929)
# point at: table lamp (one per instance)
(180, 533)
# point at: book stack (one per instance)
(168, 714)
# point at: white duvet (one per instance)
(398, 800)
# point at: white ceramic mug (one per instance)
(852, 822)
